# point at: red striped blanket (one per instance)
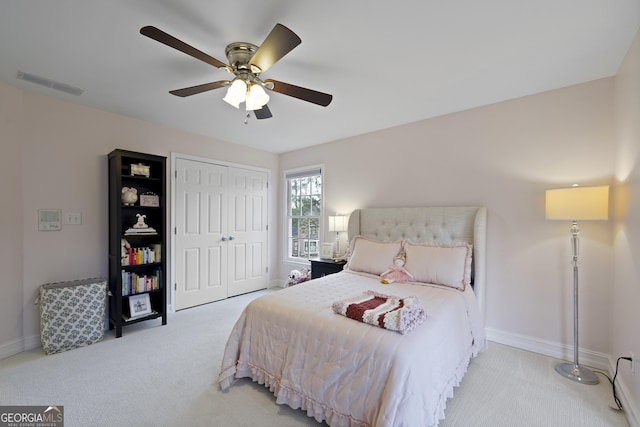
(386, 311)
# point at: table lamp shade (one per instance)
(338, 223)
(578, 203)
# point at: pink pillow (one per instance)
(440, 265)
(370, 256)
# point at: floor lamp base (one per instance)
(577, 373)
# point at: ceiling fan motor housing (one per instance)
(239, 54)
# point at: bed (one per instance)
(351, 373)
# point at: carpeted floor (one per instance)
(165, 376)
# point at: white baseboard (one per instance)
(590, 358)
(32, 342)
(276, 284)
(18, 346)
(11, 348)
(549, 348)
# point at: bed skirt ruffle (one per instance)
(286, 395)
(296, 400)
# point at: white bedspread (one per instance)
(347, 372)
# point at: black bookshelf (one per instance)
(137, 240)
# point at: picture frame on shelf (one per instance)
(139, 305)
(326, 251)
(149, 200)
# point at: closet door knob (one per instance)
(231, 238)
(224, 239)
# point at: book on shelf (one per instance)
(141, 256)
(133, 283)
(140, 231)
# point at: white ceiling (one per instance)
(386, 63)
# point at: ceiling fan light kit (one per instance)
(246, 62)
(256, 97)
(236, 93)
(253, 95)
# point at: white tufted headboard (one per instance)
(439, 225)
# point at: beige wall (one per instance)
(626, 286)
(54, 156)
(11, 194)
(503, 156)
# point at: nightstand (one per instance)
(322, 267)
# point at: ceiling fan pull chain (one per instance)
(246, 119)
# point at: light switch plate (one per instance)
(72, 218)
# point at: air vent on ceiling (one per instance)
(43, 81)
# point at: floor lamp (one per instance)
(573, 204)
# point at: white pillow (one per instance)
(370, 256)
(440, 265)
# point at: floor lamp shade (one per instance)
(578, 203)
(573, 204)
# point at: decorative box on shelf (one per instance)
(140, 169)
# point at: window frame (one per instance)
(301, 173)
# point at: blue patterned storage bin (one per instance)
(72, 314)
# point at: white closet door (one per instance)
(247, 222)
(201, 260)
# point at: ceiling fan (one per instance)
(246, 62)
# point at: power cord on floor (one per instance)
(613, 381)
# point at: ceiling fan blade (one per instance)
(194, 90)
(304, 94)
(278, 43)
(263, 113)
(159, 35)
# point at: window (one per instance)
(304, 213)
